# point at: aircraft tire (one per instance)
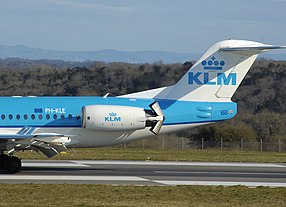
(3, 161)
(13, 164)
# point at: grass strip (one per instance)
(106, 195)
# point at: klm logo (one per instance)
(112, 117)
(203, 78)
(200, 78)
(213, 64)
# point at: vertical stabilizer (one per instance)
(215, 76)
(218, 73)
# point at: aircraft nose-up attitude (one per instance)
(201, 96)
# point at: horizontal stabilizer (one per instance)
(257, 48)
(251, 50)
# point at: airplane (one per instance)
(202, 96)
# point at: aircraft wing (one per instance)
(49, 144)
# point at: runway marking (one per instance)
(218, 183)
(161, 163)
(166, 178)
(223, 173)
(73, 178)
(44, 164)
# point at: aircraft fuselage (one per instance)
(63, 115)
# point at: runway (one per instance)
(149, 173)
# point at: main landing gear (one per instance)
(10, 163)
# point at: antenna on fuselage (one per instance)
(105, 96)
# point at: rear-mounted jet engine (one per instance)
(122, 118)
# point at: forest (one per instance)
(261, 97)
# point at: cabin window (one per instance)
(55, 116)
(62, 116)
(10, 116)
(33, 116)
(77, 117)
(3, 116)
(17, 116)
(70, 116)
(40, 116)
(48, 117)
(25, 116)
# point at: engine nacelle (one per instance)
(113, 118)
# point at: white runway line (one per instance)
(218, 183)
(63, 164)
(71, 178)
(169, 163)
(216, 173)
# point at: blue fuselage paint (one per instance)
(66, 111)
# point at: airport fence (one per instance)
(185, 143)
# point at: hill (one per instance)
(28, 53)
(24, 52)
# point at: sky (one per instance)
(133, 25)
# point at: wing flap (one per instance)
(50, 144)
(47, 149)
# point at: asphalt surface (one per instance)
(148, 173)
